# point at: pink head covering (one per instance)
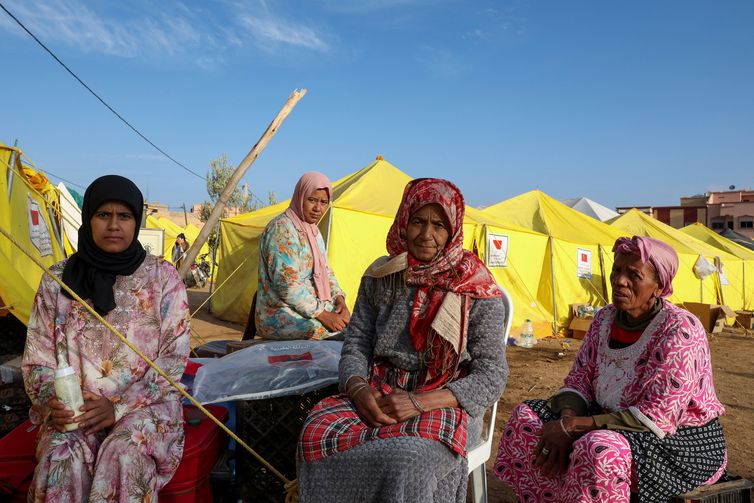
(662, 257)
(310, 182)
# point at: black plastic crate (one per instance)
(732, 490)
(272, 427)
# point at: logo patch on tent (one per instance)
(39, 233)
(497, 250)
(583, 264)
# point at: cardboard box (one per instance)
(578, 326)
(745, 319)
(712, 316)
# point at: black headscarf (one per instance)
(90, 272)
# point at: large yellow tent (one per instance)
(576, 258)
(686, 286)
(711, 237)
(27, 201)
(517, 265)
(354, 228)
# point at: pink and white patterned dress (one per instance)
(664, 380)
(137, 456)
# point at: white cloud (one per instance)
(268, 30)
(366, 6)
(74, 24)
(158, 30)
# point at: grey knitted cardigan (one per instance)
(408, 468)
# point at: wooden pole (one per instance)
(217, 211)
(554, 290)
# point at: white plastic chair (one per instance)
(479, 455)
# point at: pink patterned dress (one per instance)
(665, 381)
(136, 457)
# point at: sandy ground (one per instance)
(538, 372)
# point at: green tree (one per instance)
(241, 199)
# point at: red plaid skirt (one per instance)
(334, 426)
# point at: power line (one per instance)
(96, 95)
(47, 172)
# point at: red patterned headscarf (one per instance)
(453, 270)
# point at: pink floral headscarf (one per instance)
(662, 257)
(309, 183)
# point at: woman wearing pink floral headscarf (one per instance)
(298, 296)
(638, 411)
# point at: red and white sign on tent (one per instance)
(497, 250)
(39, 234)
(583, 263)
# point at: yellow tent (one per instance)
(711, 237)
(354, 228)
(515, 256)
(686, 286)
(171, 232)
(576, 258)
(31, 220)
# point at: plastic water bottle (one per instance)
(68, 391)
(526, 338)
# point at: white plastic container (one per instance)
(526, 338)
(68, 391)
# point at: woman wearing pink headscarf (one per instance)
(298, 296)
(638, 411)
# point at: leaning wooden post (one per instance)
(217, 211)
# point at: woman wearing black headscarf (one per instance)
(129, 439)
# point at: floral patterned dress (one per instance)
(137, 456)
(665, 381)
(287, 302)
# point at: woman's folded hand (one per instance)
(553, 449)
(333, 321)
(59, 415)
(98, 413)
(342, 309)
(398, 405)
(368, 409)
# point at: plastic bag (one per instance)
(268, 370)
(703, 267)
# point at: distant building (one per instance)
(732, 210)
(680, 216)
(179, 218)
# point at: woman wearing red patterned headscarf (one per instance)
(422, 360)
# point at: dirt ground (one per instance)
(538, 372)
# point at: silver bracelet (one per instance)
(356, 389)
(562, 426)
(416, 403)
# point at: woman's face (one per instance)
(315, 205)
(113, 227)
(427, 232)
(635, 285)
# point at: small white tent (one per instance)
(71, 215)
(590, 208)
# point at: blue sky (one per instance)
(624, 102)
